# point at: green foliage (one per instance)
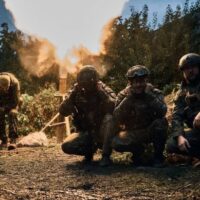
(134, 41)
(37, 110)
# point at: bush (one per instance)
(37, 110)
(170, 88)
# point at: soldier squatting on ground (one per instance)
(141, 110)
(91, 103)
(187, 110)
(9, 100)
(129, 122)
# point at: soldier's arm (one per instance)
(158, 104)
(14, 96)
(121, 111)
(178, 115)
(67, 106)
(107, 96)
(121, 95)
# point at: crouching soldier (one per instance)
(9, 100)
(140, 110)
(91, 103)
(187, 110)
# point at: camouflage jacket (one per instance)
(10, 99)
(186, 107)
(139, 111)
(88, 110)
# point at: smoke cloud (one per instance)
(106, 34)
(38, 56)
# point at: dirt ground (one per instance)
(47, 173)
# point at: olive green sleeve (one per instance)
(121, 110)
(178, 115)
(107, 96)
(121, 95)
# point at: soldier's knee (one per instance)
(66, 148)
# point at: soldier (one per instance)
(140, 110)
(9, 100)
(187, 109)
(91, 103)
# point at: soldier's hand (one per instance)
(183, 144)
(196, 122)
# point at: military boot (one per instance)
(3, 143)
(12, 144)
(87, 159)
(105, 161)
(158, 161)
(137, 156)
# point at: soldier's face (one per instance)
(138, 85)
(190, 73)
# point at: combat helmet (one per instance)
(190, 59)
(87, 74)
(137, 71)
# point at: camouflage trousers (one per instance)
(12, 122)
(87, 142)
(135, 140)
(193, 137)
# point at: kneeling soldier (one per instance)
(141, 110)
(91, 103)
(187, 110)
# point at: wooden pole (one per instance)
(62, 130)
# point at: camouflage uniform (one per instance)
(92, 117)
(9, 101)
(187, 106)
(143, 117)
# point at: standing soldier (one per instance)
(140, 110)
(9, 100)
(91, 103)
(187, 109)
